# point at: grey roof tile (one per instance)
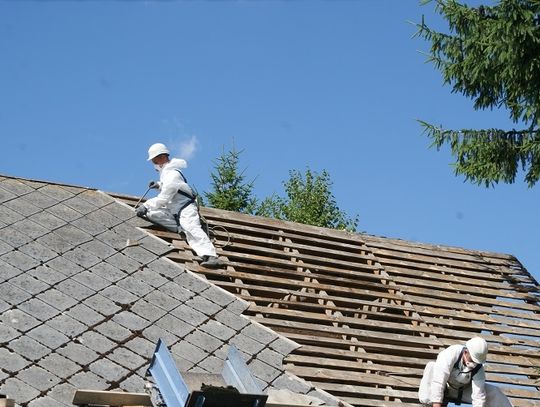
(104, 218)
(131, 321)
(139, 254)
(48, 220)
(74, 234)
(9, 216)
(6, 195)
(108, 369)
(119, 295)
(56, 243)
(119, 211)
(85, 315)
(176, 291)
(63, 266)
(124, 263)
(29, 348)
(7, 271)
(204, 341)
(12, 294)
(135, 286)
(130, 232)
(154, 333)
(97, 342)
(48, 336)
(13, 237)
(88, 380)
(166, 268)
(113, 331)
(22, 206)
(67, 325)
(112, 239)
(149, 277)
(7, 333)
(59, 365)
(134, 383)
(189, 315)
(91, 280)
(56, 191)
(19, 390)
(108, 272)
(89, 226)
(82, 258)
(218, 295)
(127, 359)
(152, 244)
(162, 300)
(148, 311)
(29, 283)
(38, 251)
(231, 320)
(5, 248)
(78, 353)
(4, 306)
(218, 330)
(212, 364)
(41, 200)
(246, 344)
(191, 282)
(73, 289)
(259, 333)
(175, 326)
(15, 186)
(57, 298)
(19, 320)
(64, 212)
(80, 205)
(63, 393)
(102, 304)
(96, 198)
(11, 361)
(263, 371)
(200, 303)
(189, 352)
(20, 260)
(38, 378)
(141, 346)
(30, 228)
(39, 309)
(98, 249)
(45, 401)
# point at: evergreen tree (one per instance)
(230, 190)
(491, 55)
(309, 200)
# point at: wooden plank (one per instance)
(353, 323)
(111, 398)
(351, 389)
(334, 375)
(4, 402)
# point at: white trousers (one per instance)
(190, 224)
(494, 396)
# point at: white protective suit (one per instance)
(164, 208)
(441, 375)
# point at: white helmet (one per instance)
(478, 349)
(157, 149)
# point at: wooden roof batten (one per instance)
(369, 312)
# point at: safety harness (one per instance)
(192, 198)
(457, 400)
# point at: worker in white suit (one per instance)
(458, 376)
(175, 207)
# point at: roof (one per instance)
(85, 294)
(86, 289)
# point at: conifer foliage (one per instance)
(491, 55)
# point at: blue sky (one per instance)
(86, 87)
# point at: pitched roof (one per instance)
(86, 289)
(370, 311)
(85, 294)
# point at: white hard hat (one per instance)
(157, 149)
(478, 349)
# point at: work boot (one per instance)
(211, 262)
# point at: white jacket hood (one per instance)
(176, 164)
